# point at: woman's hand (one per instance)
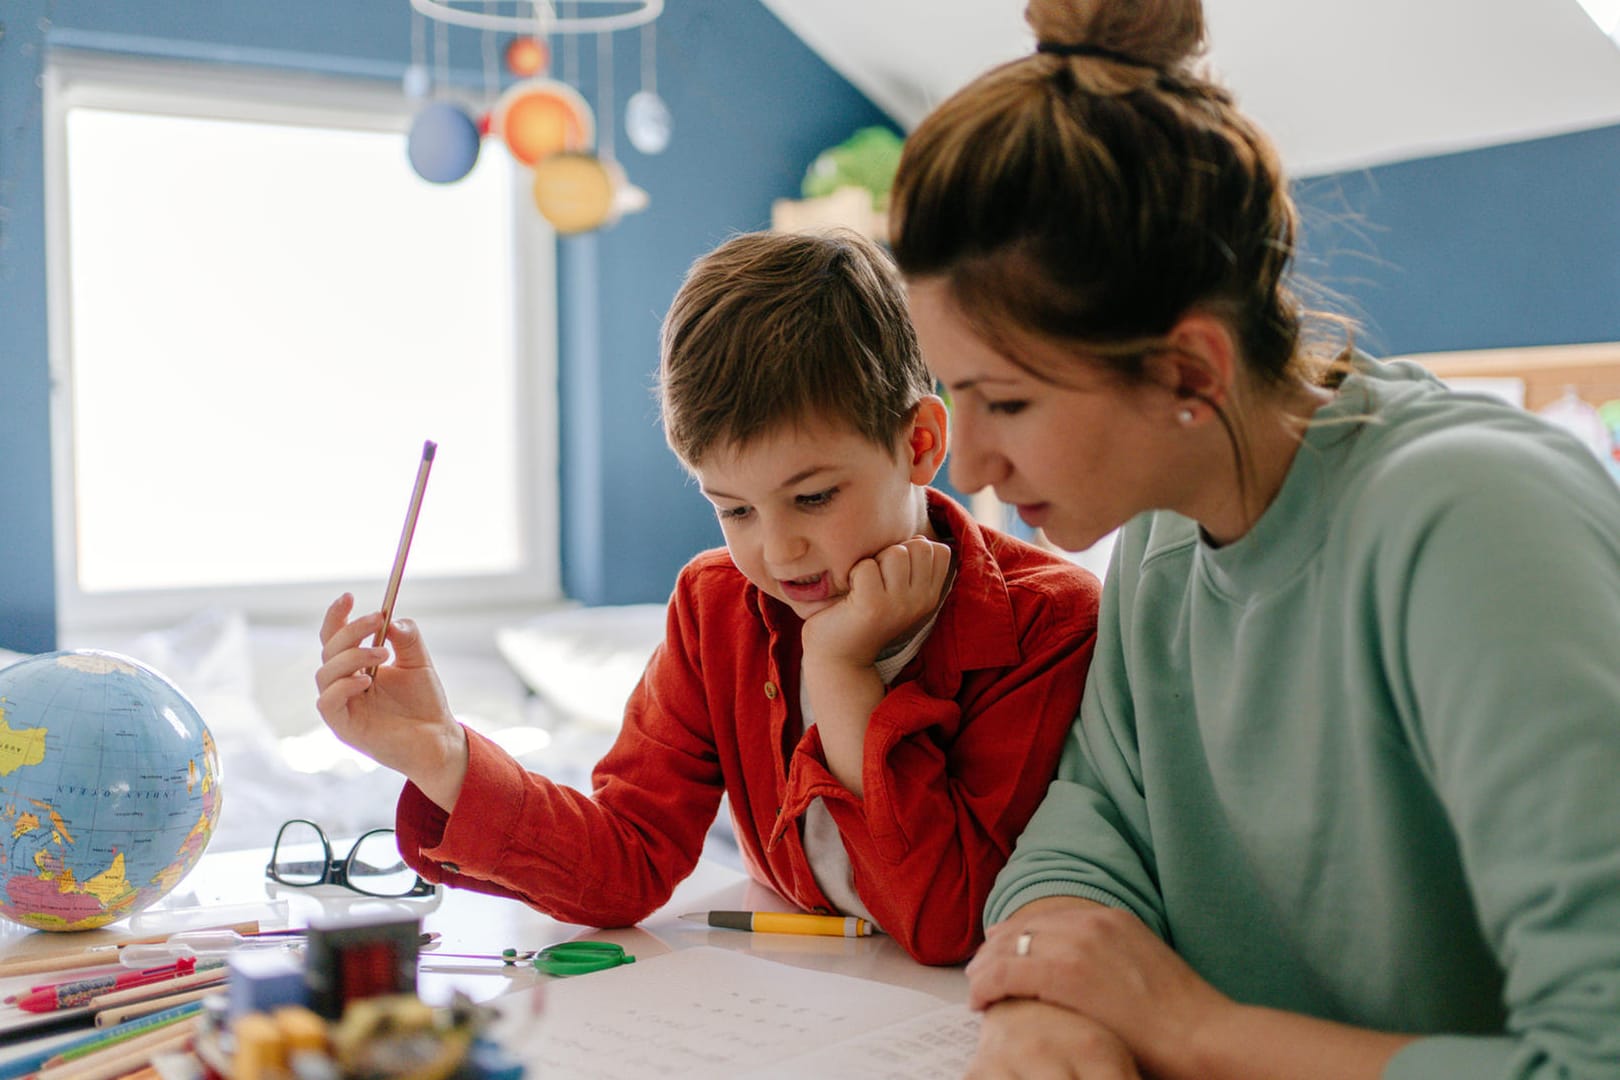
(398, 717)
(1105, 965)
(1031, 1040)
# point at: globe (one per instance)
(109, 788)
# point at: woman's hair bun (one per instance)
(1163, 33)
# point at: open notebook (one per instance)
(717, 1013)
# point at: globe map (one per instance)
(109, 789)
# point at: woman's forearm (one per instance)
(1253, 1043)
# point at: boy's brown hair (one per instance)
(773, 328)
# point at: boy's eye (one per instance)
(731, 513)
(819, 498)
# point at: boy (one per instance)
(880, 686)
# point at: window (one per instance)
(1606, 13)
(259, 314)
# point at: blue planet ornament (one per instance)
(443, 143)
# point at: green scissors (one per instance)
(580, 957)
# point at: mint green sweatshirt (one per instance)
(1364, 763)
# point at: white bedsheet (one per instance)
(255, 688)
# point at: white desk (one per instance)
(475, 923)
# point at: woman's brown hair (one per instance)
(1100, 189)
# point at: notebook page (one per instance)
(708, 1012)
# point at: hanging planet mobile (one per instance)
(647, 122)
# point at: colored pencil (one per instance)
(122, 1059)
(69, 995)
(34, 1062)
(127, 1039)
(391, 593)
(124, 1013)
(214, 973)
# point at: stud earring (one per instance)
(1184, 417)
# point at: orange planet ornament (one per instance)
(526, 56)
(540, 117)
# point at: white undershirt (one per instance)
(823, 844)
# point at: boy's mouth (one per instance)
(807, 589)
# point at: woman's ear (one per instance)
(1198, 368)
(926, 439)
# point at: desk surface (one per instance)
(232, 884)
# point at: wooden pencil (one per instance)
(121, 1013)
(159, 989)
(122, 1034)
(391, 592)
(124, 1058)
(100, 955)
(186, 1025)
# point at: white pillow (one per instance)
(583, 662)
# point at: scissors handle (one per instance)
(580, 957)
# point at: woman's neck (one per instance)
(1272, 438)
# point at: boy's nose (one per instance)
(783, 545)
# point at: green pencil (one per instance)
(127, 1030)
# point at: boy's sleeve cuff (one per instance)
(489, 810)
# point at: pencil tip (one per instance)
(429, 448)
(694, 916)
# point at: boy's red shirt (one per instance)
(958, 755)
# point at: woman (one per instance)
(1343, 799)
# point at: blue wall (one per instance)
(1511, 245)
(752, 107)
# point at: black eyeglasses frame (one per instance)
(337, 871)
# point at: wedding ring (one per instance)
(1021, 947)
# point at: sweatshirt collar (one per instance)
(1295, 526)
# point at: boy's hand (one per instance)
(399, 717)
(890, 594)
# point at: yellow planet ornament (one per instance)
(580, 192)
(575, 192)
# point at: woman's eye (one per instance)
(1005, 408)
(820, 498)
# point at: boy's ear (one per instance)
(926, 441)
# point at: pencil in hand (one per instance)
(391, 594)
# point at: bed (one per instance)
(550, 689)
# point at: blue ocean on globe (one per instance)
(109, 788)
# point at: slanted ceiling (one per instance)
(1339, 85)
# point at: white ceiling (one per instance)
(1338, 83)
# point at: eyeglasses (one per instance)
(302, 857)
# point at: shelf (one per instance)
(846, 208)
(1593, 370)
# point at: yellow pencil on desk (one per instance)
(784, 922)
